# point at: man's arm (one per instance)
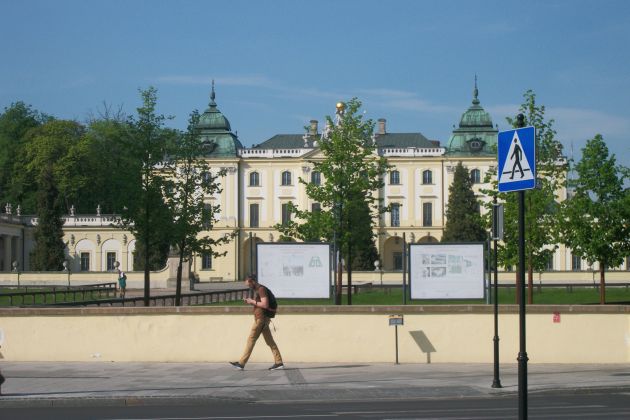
(264, 300)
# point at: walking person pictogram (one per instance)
(517, 155)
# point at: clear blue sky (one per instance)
(278, 64)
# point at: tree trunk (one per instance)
(339, 280)
(147, 275)
(178, 282)
(602, 284)
(349, 274)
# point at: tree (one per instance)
(15, 122)
(113, 170)
(189, 184)
(147, 215)
(351, 174)
(48, 254)
(463, 221)
(50, 162)
(596, 220)
(541, 230)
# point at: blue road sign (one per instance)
(517, 159)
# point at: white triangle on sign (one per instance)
(516, 167)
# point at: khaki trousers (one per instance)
(260, 326)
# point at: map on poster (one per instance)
(446, 271)
(295, 270)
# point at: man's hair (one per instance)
(252, 277)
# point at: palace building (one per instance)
(260, 181)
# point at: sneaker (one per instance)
(237, 365)
(277, 366)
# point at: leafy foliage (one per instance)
(147, 216)
(596, 220)
(190, 182)
(541, 204)
(48, 254)
(463, 221)
(15, 123)
(351, 175)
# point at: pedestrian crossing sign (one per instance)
(517, 159)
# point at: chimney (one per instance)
(381, 126)
(313, 131)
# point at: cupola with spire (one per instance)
(216, 132)
(475, 134)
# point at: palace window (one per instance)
(206, 215)
(286, 215)
(427, 214)
(316, 207)
(316, 178)
(253, 215)
(475, 176)
(398, 261)
(111, 259)
(286, 178)
(395, 215)
(206, 261)
(394, 178)
(549, 265)
(427, 177)
(254, 179)
(85, 261)
(576, 262)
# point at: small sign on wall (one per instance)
(556, 317)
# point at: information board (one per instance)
(446, 271)
(295, 270)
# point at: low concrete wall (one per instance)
(430, 334)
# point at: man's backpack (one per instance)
(273, 304)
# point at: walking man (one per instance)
(517, 155)
(262, 309)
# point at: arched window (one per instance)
(254, 179)
(475, 176)
(286, 178)
(427, 177)
(394, 178)
(316, 178)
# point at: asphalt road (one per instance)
(581, 404)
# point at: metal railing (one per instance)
(56, 293)
(187, 299)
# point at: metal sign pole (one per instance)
(522, 354)
(496, 383)
(404, 267)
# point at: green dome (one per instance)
(475, 116)
(212, 118)
(475, 134)
(216, 132)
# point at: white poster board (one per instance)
(295, 270)
(447, 271)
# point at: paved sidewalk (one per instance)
(103, 383)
